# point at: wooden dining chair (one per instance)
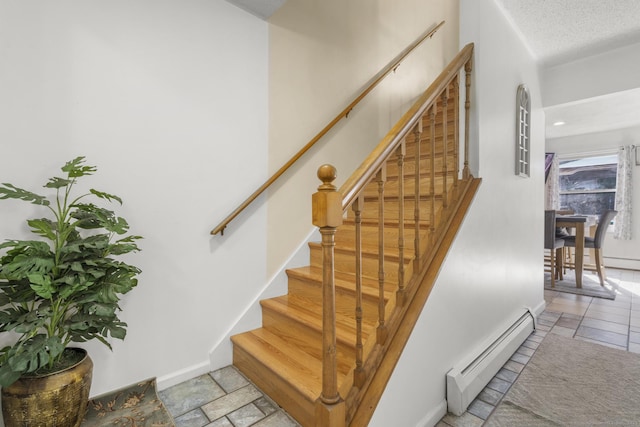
(554, 245)
(567, 256)
(595, 243)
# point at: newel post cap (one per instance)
(327, 201)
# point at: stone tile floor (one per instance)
(225, 398)
(614, 323)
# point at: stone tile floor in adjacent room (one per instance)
(225, 398)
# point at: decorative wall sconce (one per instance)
(523, 125)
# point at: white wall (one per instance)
(610, 72)
(597, 75)
(494, 270)
(617, 253)
(169, 100)
(321, 55)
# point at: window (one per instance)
(588, 185)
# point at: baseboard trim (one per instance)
(466, 380)
(622, 263)
(182, 375)
(537, 311)
(221, 353)
(434, 416)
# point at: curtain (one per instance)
(624, 188)
(552, 185)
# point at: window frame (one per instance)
(574, 157)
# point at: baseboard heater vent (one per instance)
(466, 381)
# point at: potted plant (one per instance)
(60, 288)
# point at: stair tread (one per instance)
(309, 313)
(388, 223)
(283, 359)
(390, 253)
(343, 280)
(424, 197)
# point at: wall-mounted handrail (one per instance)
(343, 114)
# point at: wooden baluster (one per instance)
(381, 178)
(417, 132)
(432, 189)
(456, 129)
(327, 215)
(359, 375)
(445, 147)
(466, 172)
(402, 152)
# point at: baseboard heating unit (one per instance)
(466, 381)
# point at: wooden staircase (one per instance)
(394, 235)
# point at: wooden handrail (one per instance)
(365, 172)
(343, 114)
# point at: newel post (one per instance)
(327, 216)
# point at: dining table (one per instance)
(576, 222)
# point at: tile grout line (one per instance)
(581, 319)
(511, 383)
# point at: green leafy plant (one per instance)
(65, 286)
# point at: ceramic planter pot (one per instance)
(56, 399)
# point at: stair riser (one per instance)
(345, 301)
(425, 145)
(345, 298)
(344, 262)
(290, 330)
(299, 335)
(391, 187)
(425, 166)
(391, 210)
(275, 387)
(369, 234)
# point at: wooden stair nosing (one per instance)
(280, 324)
(408, 198)
(349, 221)
(310, 316)
(291, 378)
(344, 282)
(368, 251)
(370, 245)
(309, 340)
(343, 262)
(370, 237)
(267, 345)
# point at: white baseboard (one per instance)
(466, 380)
(221, 353)
(434, 416)
(623, 263)
(537, 311)
(182, 375)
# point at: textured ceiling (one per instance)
(555, 32)
(603, 113)
(559, 31)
